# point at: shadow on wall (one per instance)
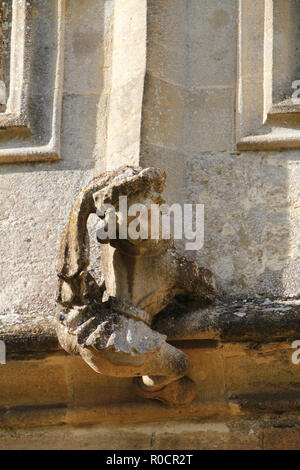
(251, 199)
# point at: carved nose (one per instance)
(99, 234)
(100, 214)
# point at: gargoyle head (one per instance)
(125, 205)
(101, 195)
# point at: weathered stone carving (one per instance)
(110, 325)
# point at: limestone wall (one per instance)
(184, 118)
(190, 128)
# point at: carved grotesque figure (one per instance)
(110, 325)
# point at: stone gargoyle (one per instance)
(110, 325)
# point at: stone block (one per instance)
(32, 383)
(206, 436)
(173, 163)
(209, 120)
(90, 388)
(284, 438)
(163, 114)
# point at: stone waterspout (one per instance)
(110, 325)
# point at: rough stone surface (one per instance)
(250, 198)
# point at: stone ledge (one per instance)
(261, 433)
(257, 321)
(24, 333)
(270, 141)
(112, 414)
(253, 321)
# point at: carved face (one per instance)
(134, 219)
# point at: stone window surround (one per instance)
(17, 114)
(261, 124)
